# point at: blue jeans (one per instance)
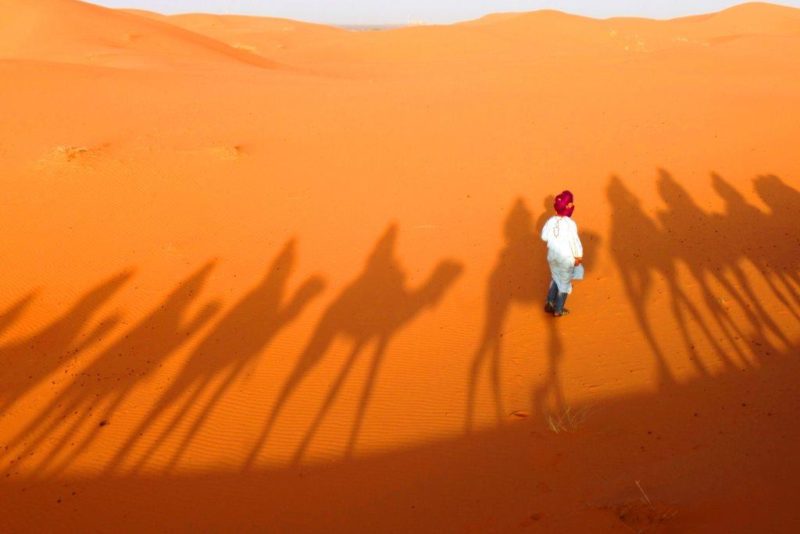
(556, 299)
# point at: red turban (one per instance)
(562, 201)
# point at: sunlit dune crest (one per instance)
(79, 32)
(265, 275)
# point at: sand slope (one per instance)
(317, 288)
(78, 32)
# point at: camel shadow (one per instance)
(373, 308)
(714, 248)
(26, 363)
(15, 311)
(520, 275)
(95, 394)
(234, 344)
(778, 258)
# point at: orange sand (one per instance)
(272, 276)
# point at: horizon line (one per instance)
(362, 25)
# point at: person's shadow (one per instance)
(374, 307)
(548, 397)
(95, 394)
(234, 344)
(519, 275)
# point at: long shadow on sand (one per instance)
(26, 363)
(715, 248)
(374, 307)
(548, 397)
(520, 276)
(234, 344)
(777, 257)
(14, 312)
(91, 399)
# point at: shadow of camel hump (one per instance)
(374, 307)
(100, 388)
(27, 363)
(719, 304)
(746, 222)
(234, 343)
(695, 241)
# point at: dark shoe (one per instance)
(549, 308)
(563, 312)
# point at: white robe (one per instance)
(563, 246)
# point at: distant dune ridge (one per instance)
(265, 275)
(85, 33)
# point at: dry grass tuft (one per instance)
(643, 515)
(568, 420)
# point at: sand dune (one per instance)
(299, 267)
(78, 32)
(501, 38)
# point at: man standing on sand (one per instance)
(564, 253)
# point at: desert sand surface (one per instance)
(263, 275)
